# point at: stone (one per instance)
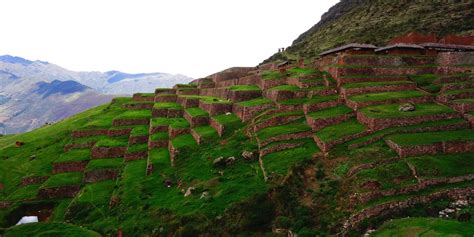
(189, 191)
(168, 183)
(219, 162)
(33, 157)
(230, 161)
(204, 195)
(465, 217)
(408, 107)
(248, 155)
(19, 143)
(228, 113)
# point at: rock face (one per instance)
(408, 107)
(363, 21)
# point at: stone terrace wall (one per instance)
(138, 106)
(129, 122)
(432, 149)
(215, 108)
(285, 137)
(275, 121)
(318, 124)
(215, 92)
(455, 58)
(382, 123)
(69, 147)
(279, 147)
(367, 197)
(137, 140)
(196, 121)
(139, 97)
(386, 209)
(416, 100)
(383, 61)
(217, 126)
(326, 146)
(108, 152)
(59, 192)
(309, 108)
(267, 84)
(100, 175)
(73, 166)
(174, 132)
(246, 113)
(89, 133)
(119, 132)
(447, 97)
(372, 89)
(188, 102)
(33, 180)
(157, 144)
(231, 73)
(238, 96)
(166, 98)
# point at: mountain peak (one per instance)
(15, 60)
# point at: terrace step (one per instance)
(333, 135)
(196, 117)
(455, 95)
(374, 87)
(365, 78)
(328, 117)
(279, 146)
(462, 106)
(394, 97)
(457, 86)
(275, 119)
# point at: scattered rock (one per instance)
(369, 232)
(189, 191)
(465, 217)
(19, 143)
(204, 195)
(114, 201)
(408, 107)
(228, 113)
(33, 157)
(248, 155)
(219, 162)
(168, 183)
(230, 161)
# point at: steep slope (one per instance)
(376, 22)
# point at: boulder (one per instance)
(168, 183)
(204, 195)
(408, 107)
(189, 192)
(248, 155)
(230, 161)
(219, 162)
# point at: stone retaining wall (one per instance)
(281, 95)
(59, 192)
(381, 61)
(250, 80)
(387, 208)
(416, 100)
(363, 198)
(69, 147)
(167, 113)
(108, 152)
(289, 107)
(129, 122)
(138, 106)
(140, 155)
(215, 108)
(166, 98)
(33, 180)
(174, 132)
(318, 124)
(100, 175)
(326, 146)
(196, 121)
(309, 108)
(267, 84)
(275, 121)
(470, 118)
(173, 153)
(322, 92)
(132, 140)
(215, 92)
(71, 166)
(197, 137)
(454, 79)
(246, 113)
(285, 137)
(5, 205)
(238, 96)
(119, 132)
(337, 72)
(356, 169)
(188, 102)
(89, 133)
(450, 87)
(279, 147)
(188, 91)
(455, 58)
(220, 128)
(374, 89)
(227, 83)
(448, 147)
(140, 98)
(382, 123)
(444, 98)
(343, 80)
(157, 129)
(157, 144)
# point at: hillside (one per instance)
(376, 22)
(33, 93)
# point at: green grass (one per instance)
(137, 148)
(411, 139)
(294, 127)
(184, 141)
(159, 136)
(280, 162)
(469, 100)
(173, 122)
(391, 110)
(331, 112)
(26, 192)
(49, 229)
(285, 88)
(272, 75)
(313, 100)
(207, 99)
(341, 130)
(455, 92)
(167, 105)
(299, 72)
(146, 94)
(141, 130)
(197, 112)
(134, 114)
(387, 96)
(75, 155)
(244, 88)
(98, 164)
(64, 179)
(113, 142)
(206, 131)
(443, 165)
(373, 84)
(389, 176)
(425, 227)
(255, 102)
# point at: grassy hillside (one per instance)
(377, 22)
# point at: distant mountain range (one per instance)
(33, 93)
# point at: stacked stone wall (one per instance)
(373, 89)
(130, 122)
(318, 124)
(355, 105)
(59, 192)
(107, 152)
(215, 108)
(89, 133)
(285, 137)
(246, 113)
(33, 180)
(100, 175)
(72, 166)
(326, 146)
(448, 147)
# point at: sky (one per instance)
(194, 38)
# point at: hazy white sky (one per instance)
(195, 38)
